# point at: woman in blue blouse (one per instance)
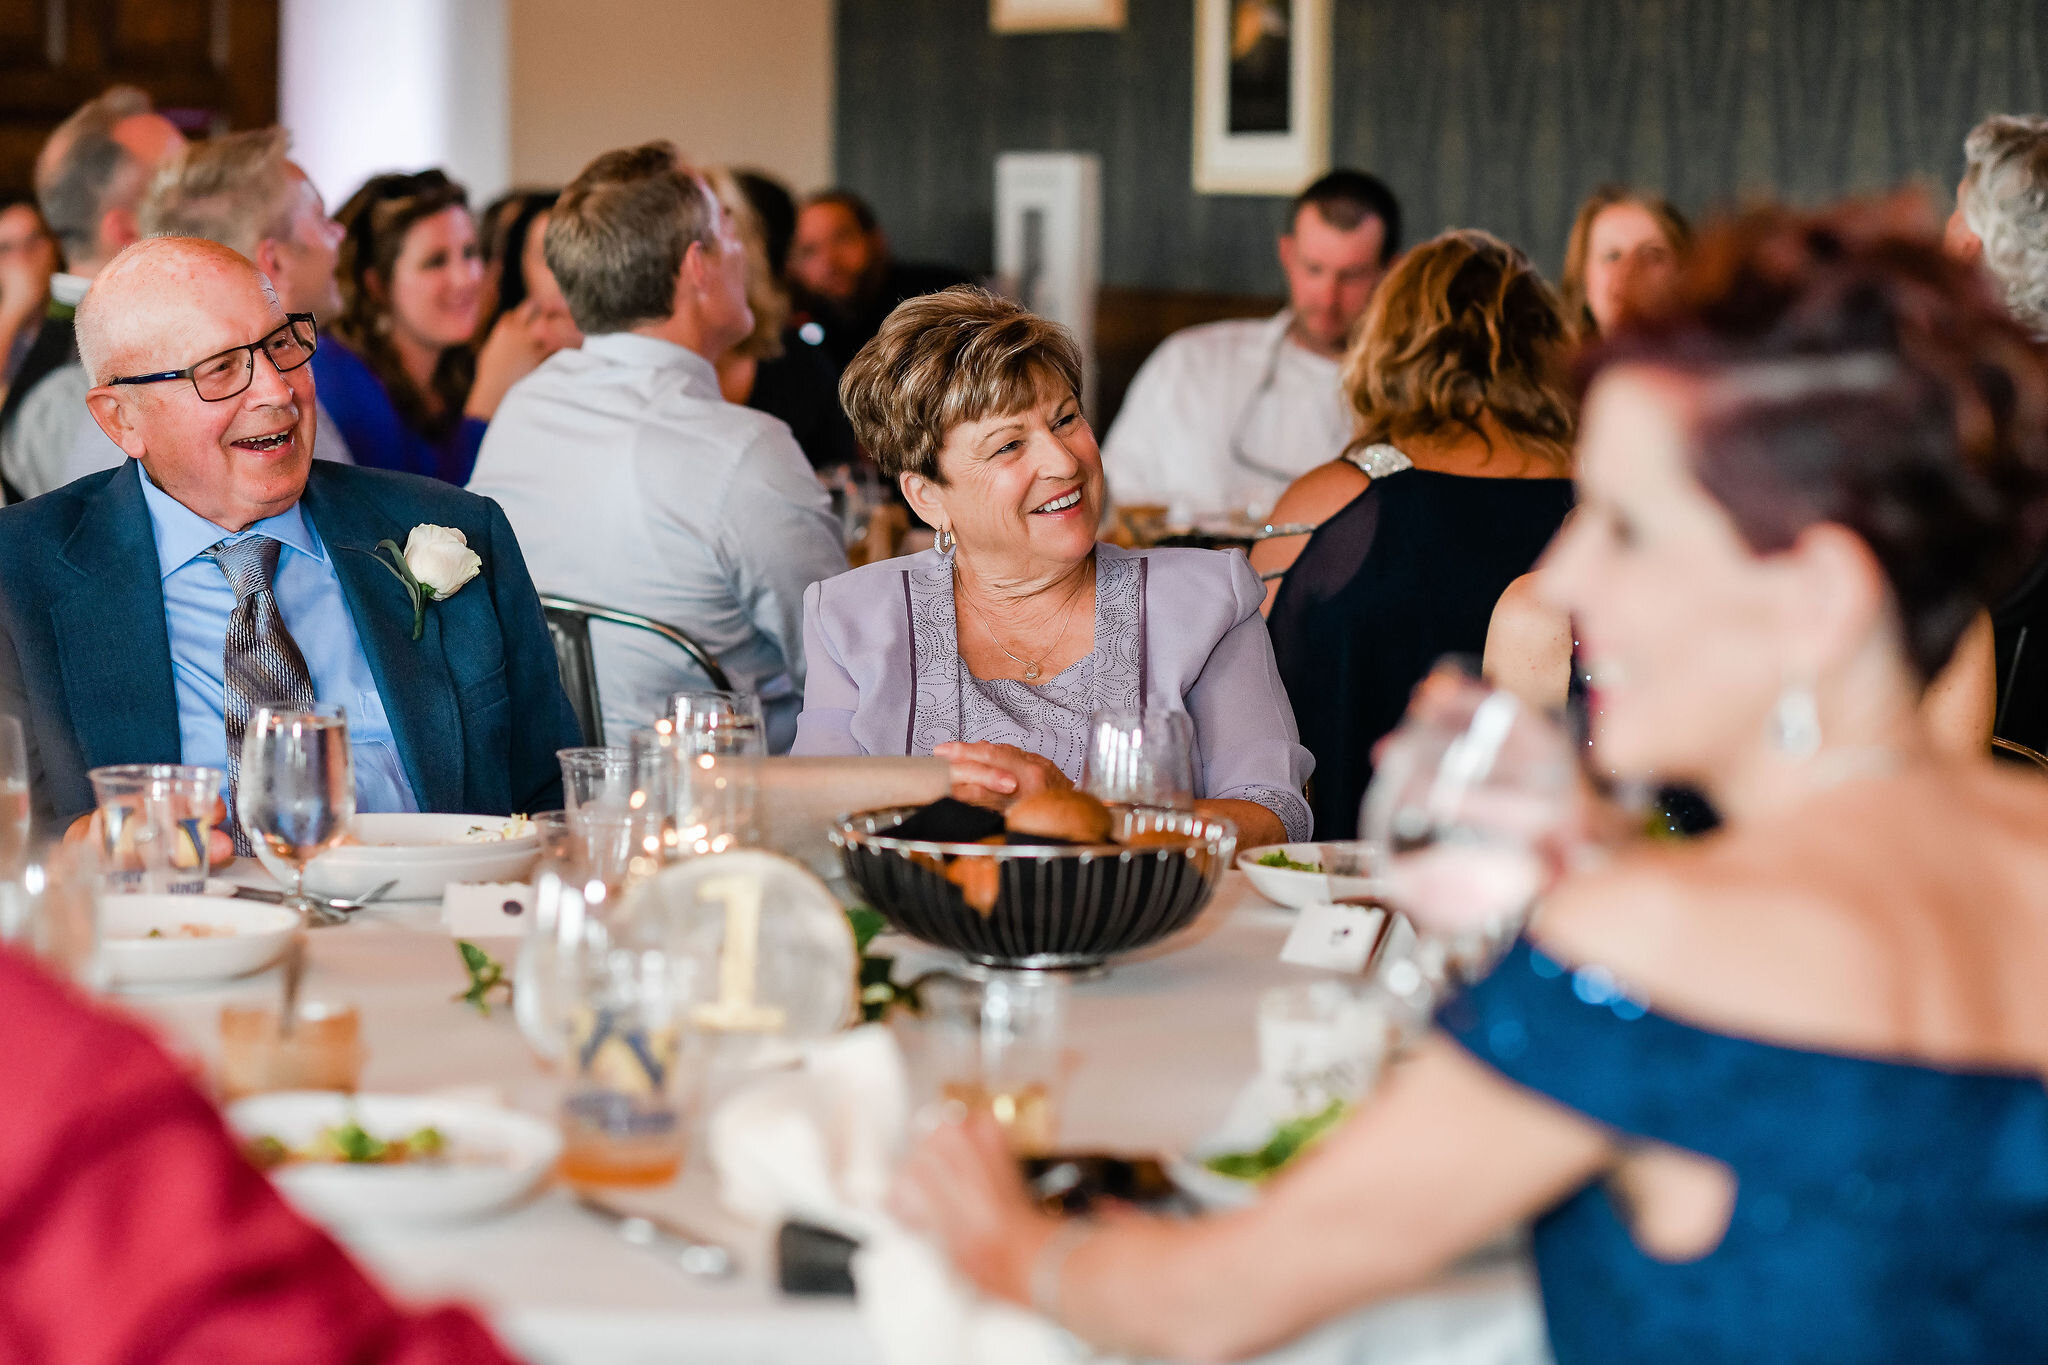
(1776, 1094)
(405, 385)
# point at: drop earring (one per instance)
(943, 540)
(1795, 722)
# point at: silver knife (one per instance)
(691, 1253)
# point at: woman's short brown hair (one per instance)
(959, 355)
(1462, 328)
(1677, 236)
(1853, 374)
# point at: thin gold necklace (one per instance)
(1032, 667)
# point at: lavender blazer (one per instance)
(1184, 632)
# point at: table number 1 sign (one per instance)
(739, 965)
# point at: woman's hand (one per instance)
(997, 774)
(517, 343)
(961, 1187)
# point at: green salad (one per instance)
(1278, 858)
(1289, 1140)
(348, 1144)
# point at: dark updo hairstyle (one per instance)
(375, 220)
(1853, 374)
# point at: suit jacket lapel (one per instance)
(412, 675)
(113, 648)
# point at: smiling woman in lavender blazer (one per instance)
(992, 651)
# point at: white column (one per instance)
(396, 85)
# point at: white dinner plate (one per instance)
(494, 1156)
(246, 937)
(1285, 886)
(422, 853)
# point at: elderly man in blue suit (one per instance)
(145, 610)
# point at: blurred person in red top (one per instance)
(209, 1265)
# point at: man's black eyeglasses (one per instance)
(220, 377)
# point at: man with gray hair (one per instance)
(90, 177)
(628, 478)
(241, 190)
(2001, 213)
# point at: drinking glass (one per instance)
(14, 798)
(994, 1045)
(695, 798)
(1469, 800)
(709, 721)
(155, 821)
(297, 794)
(48, 906)
(598, 774)
(634, 1064)
(1140, 758)
(570, 897)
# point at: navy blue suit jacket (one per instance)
(476, 703)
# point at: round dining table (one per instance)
(1161, 1044)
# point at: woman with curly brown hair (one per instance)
(1458, 476)
(1776, 1094)
(406, 387)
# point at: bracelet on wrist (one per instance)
(1050, 1265)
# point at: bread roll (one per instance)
(1061, 813)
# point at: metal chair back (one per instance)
(2014, 752)
(569, 625)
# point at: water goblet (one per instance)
(1140, 758)
(297, 795)
(715, 722)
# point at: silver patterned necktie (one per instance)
(262, 665)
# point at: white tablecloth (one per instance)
(1163, 1045)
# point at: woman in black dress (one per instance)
(1458, 477)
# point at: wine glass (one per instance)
(297, 794)
(1469, 801)
(1142, 758)
(712, 722)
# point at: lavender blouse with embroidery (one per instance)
(1174, 628)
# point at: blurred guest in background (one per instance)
(1775, 1095)
(771, 370)
(2000, 223)
(223, 1271)
(1623, 244)
(28, 258)
(405, 386)
(775, 206)
(630, 480)
(1221, 417)
(90, 178)
(516, 274)
(240, 190)
(993, 651)
(844, 278)
(1457, 478)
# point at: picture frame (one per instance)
(1262, 95)
(1054, 16)
(1048, 241)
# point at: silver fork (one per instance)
(270, 897)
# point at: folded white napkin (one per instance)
(821, 1143)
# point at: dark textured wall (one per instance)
(1491, 113)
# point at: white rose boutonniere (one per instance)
(434, 564)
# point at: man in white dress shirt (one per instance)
(628, 478)
(1222, 417)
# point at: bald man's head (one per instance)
(91, 174)
(166, 304)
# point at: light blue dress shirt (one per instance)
(197, 602)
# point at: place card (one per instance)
(487, 909)
(1338, 938)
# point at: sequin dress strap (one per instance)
(1378, 460)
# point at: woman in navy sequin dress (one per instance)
(1777, 1093)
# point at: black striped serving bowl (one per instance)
(1051, 907)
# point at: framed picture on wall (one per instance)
(1046, 16)
(1262, 95)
